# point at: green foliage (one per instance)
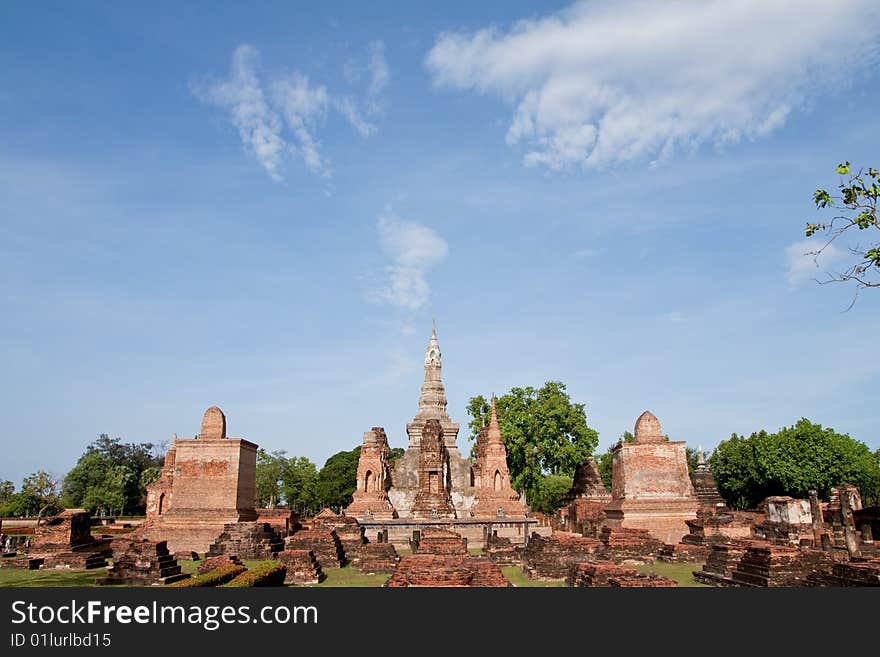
(856, 202)
(112, 477)
(793, 461)
(291, 481)
(39, 492)
(265, 573)
(543, 431)
(336, 481)
(7, 490)
(551, 489)
(214, 577)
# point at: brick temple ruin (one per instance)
(651, 488)
(432, 486)
(206, 483)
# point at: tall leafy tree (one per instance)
(38, 492)
(299, 482)
(270, 467)
(337, 479)
(112, 476)
(543, 430)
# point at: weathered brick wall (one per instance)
(435, 570)
(215, 474)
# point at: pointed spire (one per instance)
(433, 328)
(494, 429)
(701, 460)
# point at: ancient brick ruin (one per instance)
(591, 574)
(141, 562)
(494, 497)
(370, 498)
(551, 557)
(433, 498)
(66, 541)
(376, 558)
(324, 543)
(247, 540)
(302, 567)
(705, 489)
(651, 488)
(207, 483)
(452, 570)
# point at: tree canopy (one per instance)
(793, 461)
(39, 491)
(855, 204)
(337, 479)
(112, 476)
(545, 433)
(290, 481)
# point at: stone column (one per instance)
(849, 527)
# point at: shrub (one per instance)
(214, 577)
(265, 573)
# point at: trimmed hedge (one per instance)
(214, 577)
(265, 573)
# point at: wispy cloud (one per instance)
(674, 316)
(261, 110)
(242, 95)
(804, 262)
(302, 106)
(413, 249)
(603, 83)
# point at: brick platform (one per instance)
(551, 557)
(440, 542)
(622, 543)
(142, 562)
(212, 563)
(302, 567)
(325, 544)
(376, 558)
(503, 552)
(247, 540)
(454, 570)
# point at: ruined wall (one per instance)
(653, 470)
(215, 474)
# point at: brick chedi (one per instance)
(302, 567)
(370, 499)
(705, 489)
(212, 483)
(651, 488)
(494, 496)
(433, 499)
(405, 476)
(583, 506)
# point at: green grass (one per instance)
(680, 572)
(518, 578)
(350, 577)
(59, 577)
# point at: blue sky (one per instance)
(263, 207)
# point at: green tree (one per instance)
(38, 491)
(856, 205)
(793, 461)
(605, 460)
(299, 481)
(551, 490)
(7, 490)
(270, 468)
(543, 431)
(337, 479)
(112, 476)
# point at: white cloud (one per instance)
(379, 72)
(242, 95)
(413, 249)
(303, 106)
(603, 83)
(803, 262)
(347, 107)
(674, 316)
